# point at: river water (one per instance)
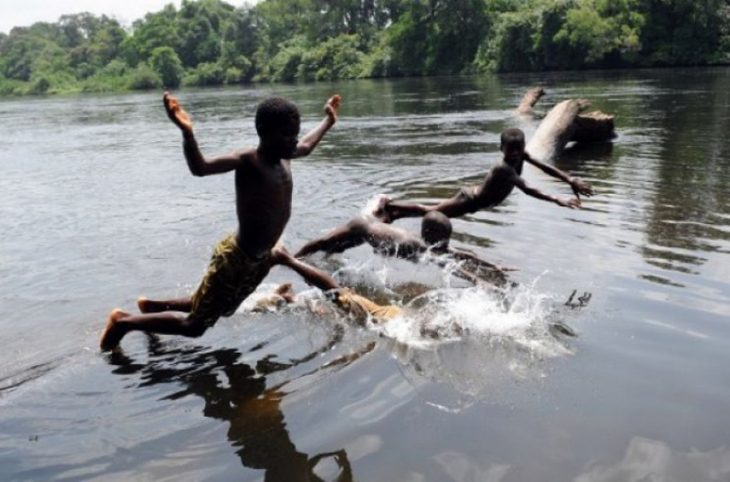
(97, 208)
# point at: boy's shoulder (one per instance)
(248, 157)
(503, 169)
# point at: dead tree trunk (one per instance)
(564, 124)
(529, 100)
(593, 127)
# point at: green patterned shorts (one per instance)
(232, 275)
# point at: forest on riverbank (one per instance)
(211, 42)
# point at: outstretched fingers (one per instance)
(574, 203)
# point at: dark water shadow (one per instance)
(257, 425)
(578, 153)
(234, 392)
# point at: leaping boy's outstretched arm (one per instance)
(336, 241)
(311, 139)
(578, 185)
(311, 275)
(572, 203)
(403, 209)
(198, 165)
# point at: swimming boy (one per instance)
(360, 307)
(263, 204)
(391, 241)
(498, 184)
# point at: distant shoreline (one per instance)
(80, 92)
(213, 43)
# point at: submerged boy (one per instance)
(263, 205)
(360, 307)
(498, 184)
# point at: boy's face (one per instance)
(282, 142)
(513, 153)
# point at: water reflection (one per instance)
(237, 393)
(648, 459)
(692, 179)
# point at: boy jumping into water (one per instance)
(391, 241)
(498, 184)
(263, 204)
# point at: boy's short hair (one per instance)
(436, 228)
(275, 112)
(512, 138)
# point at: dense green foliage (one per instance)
(210, 42)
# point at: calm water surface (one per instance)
(97, 207)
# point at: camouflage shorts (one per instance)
(362, 308)
(232, 275)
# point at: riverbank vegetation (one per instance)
(211, 42)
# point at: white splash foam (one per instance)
(520, 317)
(374, 204)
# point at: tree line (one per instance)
(211, 42)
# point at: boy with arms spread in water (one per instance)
(263, 205)
(389, 240)
(498, 184)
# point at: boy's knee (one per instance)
(195, 328)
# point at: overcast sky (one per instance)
(25, 12)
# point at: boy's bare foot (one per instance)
(143, 304)
(112, 333)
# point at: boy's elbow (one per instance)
(201, 169)
(303, 150)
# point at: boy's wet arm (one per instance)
(548, 169)
(200, 166)
(536, 193)
(311, 275)
(310, 141)
(307, 143)
(578, 185)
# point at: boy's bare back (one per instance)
(263, 201)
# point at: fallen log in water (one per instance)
(530, 99)
(594, 126)
(564, 123)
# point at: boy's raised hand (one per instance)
(176, 113)
(332, 107)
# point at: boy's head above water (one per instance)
(436, 230)
(277, 124)
(512, 144)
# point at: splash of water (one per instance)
(458, 345)
(519, 316)
(375, 204)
